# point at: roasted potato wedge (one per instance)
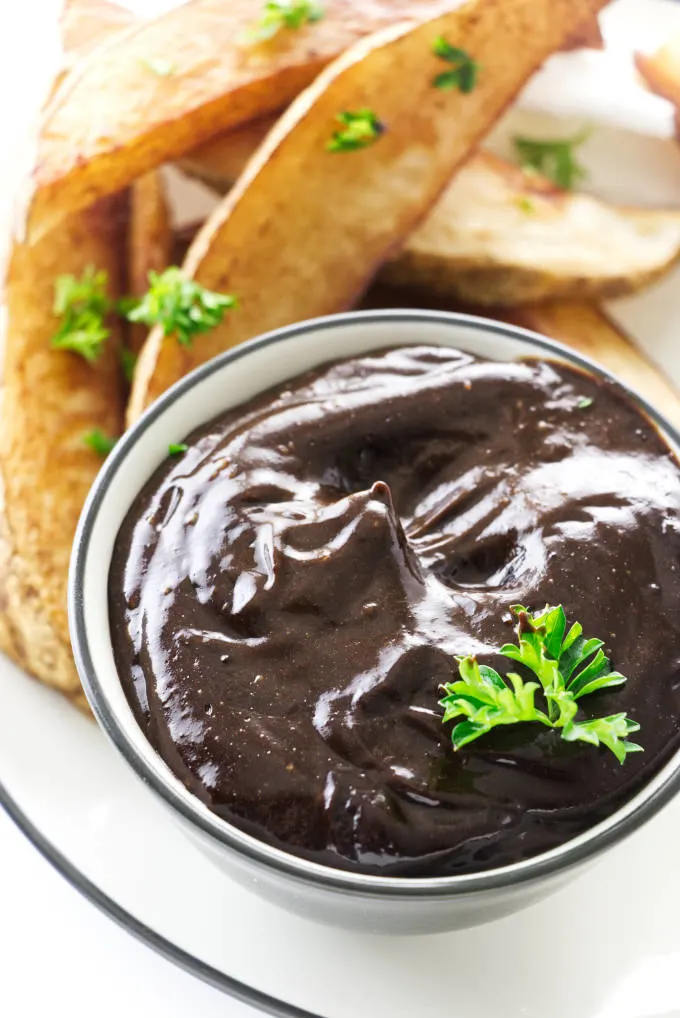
(502, 236)
(221, 161)
(149, 240)
(305, 228)
(158, 89)
(51, 399)
(588, 35)
(661, 69)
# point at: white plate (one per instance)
(606, 947)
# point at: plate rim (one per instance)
(161, 945)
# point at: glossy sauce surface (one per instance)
(287, 597)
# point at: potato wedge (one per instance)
(221, 161)
(502, 236)
(587, 35)
(305, 229)
(661, 69)
(149, 241)
(160, 88)
(589, 331)
(50, 400)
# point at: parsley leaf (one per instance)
(279, 14)
(177, 449)
(463, 72)
(584, 402)
(82, 305)
(567, 666)
(99, 442)
(360, 129)
(181, 306)
(128, 362)
(555, 159)
(611, 732)
(159, 66)
(484, 698)
(525, 204)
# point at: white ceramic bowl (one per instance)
(383, 904)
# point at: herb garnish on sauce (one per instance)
(568, 667)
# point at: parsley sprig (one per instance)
(99, 442)
(279, 14)
(181, 306)
(555, 159)
(567, 666)
(128, 362)
(463, 71)
(159, 66)
(359, 130)
(82, 304)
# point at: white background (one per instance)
(58, 954)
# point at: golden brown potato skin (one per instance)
(50, 400)
(499, 235)
(114, 117)
(149, 241)
(304, 229)
(221, 161)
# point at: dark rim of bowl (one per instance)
(621, 823)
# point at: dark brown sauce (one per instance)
(287, 597)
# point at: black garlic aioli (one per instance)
(288, 595)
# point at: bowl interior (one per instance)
(224, 383)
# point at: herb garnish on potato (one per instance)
(181, 306)
(99, 442)
(279, 14)
(463, 72)
(554, 158)
(360, 129)
(82, 305)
